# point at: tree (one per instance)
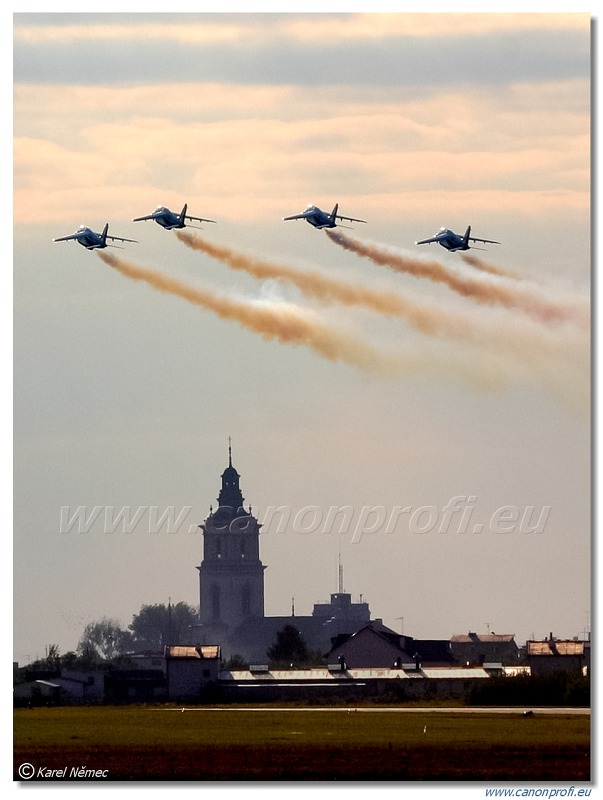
(289, 647)
(235, 662)
(70, 659)
(50, 663)
(156, 626)
(53, 656)
(103, 640)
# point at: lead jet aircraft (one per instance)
(92, 240)
(169, 219)
(453, 241)
(320, 219)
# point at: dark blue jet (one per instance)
(92, 240)
(320, 219)
(169, 219)
(453, 241)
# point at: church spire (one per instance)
(230, 493)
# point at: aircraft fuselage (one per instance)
(318, 219)
(451, 241)
(168, 224)
(167, 219)
(89, 239)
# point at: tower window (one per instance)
(246, 600)
(215, 602)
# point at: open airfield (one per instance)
(264, 744)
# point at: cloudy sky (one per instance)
(362, 425)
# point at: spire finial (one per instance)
(229, 452)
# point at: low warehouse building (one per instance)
(336, 682)
(190, 670)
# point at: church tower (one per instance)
(231, 574)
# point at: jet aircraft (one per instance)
(92, 240)
(320, 219)
(453, 241)
(169, 219)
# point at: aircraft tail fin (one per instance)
(334, 211)
(183, 214)
(467, 235)
(104, 234)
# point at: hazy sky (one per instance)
(125, 396)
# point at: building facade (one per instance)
(231, 574)
(480, 648)
(231, 587)
(555, 655)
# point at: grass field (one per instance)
(161, 743)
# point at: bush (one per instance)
(556, 689)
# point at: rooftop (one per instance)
(482, 637)
(192, 651)
(553, 647)
(325, 675)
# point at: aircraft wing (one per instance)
(66, 238)
(485, 241)
(296, 216)
(199, 219)
(142, 219)
(349, 219)
(427, 241)
(120, 239)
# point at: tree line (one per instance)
(105, 640)
(158, 625)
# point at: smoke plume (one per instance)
(524, 359)
(482, 288)
(528, 343)
(430, 321)
(283, 322)
(492, 269)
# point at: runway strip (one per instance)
(395, 710)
